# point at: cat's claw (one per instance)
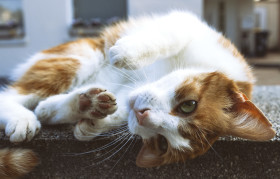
(97, 103)
(23, 129)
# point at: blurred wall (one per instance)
(46, 23)
(238, 16)
(138, 7)
(271, 8)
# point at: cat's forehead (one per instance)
(200, 84)
(182, 83)
(182, 76)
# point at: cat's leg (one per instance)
(89, 102)
(92, 106)
(19, 122)
(155, 38)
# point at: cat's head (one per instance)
(181, 115)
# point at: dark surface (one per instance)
(59, 153)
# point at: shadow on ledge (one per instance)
(62, 156)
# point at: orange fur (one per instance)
(245, 88)
(77, 47)
(188, 87)
(16, 163)
(48, 77)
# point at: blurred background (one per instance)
(28, 26)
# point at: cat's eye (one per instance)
(188, 106)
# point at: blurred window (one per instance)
(11, 20)
(91, 15)
(222, 16)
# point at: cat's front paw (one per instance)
(125, 54)
(97, 103)
(23, 128)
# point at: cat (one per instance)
(177, 82)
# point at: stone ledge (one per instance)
(61, 157)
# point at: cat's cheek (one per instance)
(132, 122)
(154, 122)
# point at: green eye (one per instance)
(188, 106)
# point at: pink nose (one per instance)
(141, 115)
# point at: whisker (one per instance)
(144, 73)
(183, 159)
(133, 141)
(116, 129)
(113, 153)
(122, 85)
(120, 144)
(107, 125)
(200, 139)
(114, 134)
(137, 75)
(210, 145)
(117, 125)
(127, 76)
(100, 148)
(111, 133)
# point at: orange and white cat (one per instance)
(177, 82)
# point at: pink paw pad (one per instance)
(97, 103)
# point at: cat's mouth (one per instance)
(153, 152)
(158, 143)
(162, 144)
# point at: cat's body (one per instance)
(152, 68)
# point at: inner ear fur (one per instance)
(248, 121)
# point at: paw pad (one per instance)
(97, 103)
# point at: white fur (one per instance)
(162, 50)
(19, 123)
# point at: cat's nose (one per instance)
(141, 115)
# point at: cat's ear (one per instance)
(249, 122)
(148, 157)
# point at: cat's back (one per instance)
(65, 66)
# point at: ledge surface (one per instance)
(62, 156)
